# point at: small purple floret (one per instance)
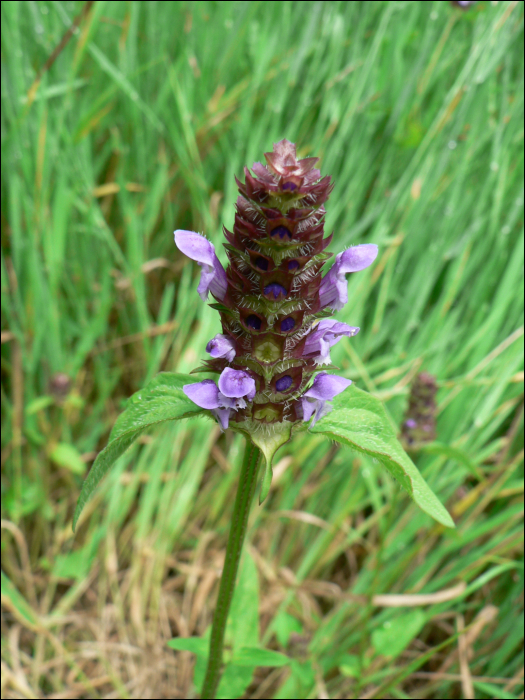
(283, 383)
(205, 394)
(291, 186)
(324, 389)
(276, 290)
(334, 288)
(234, 385)
(293, 265)
(221, 346)
(213, 277)
(411, 423)
(287, 324)
(326, 334)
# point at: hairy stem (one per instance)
(241, 510)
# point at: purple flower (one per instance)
(205, 394)
(198, 248)
(334, 288)
(234, 385)
(221, 346)
(324, 389)
(324, 335)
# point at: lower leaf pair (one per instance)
(358, 420)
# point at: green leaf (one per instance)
(39, 404)
(493, 691)
(74, 564)
(220, 307)
(395, 635)
(69, 457)
(304, 672)
(359, 420)
(254, 656)
(17, 604)
(350, 666)
(234, 682)
(160, 401)
(284, 625)
(197, 645)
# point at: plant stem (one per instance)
(241, 510)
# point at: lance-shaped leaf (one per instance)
(359, 420)
(254, 656)
(160, 401)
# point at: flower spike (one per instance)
(274, 300)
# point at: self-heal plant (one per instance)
(272, 366)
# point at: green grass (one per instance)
(138, 128)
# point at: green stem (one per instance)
(241, 510)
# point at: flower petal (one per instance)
(308, 408)
(213, 275)
(328, 292)
(356, 258)
(228, 402)
(195, 246)
(326, 386)
(333, 291)
(326, 334)
(323, 408)
(234, 383)
(221, 346)
(223, 416)
(205, 394)
(205, 282)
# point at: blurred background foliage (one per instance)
(136, 126)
